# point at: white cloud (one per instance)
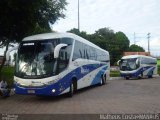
(155, 42)
(154, 45)
(124, 15)
(128, 16)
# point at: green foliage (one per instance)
(83, 34)
(114, 74)
(122, 41)
(7, 75)
(159, 70)
(136, 48)
(115, 43)
(14, 57)
(158, 62)
(20, 18)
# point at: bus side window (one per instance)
(63, 59)
(87, 56)
(78, 51)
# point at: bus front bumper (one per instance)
(130, 75)
(50, 90)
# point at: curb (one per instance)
(115, 78)
(156, 75)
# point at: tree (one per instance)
(14, 57)
(121, 44)
(20, 18)
(136, 48)
(115, 43)
(83, 34)
(104, 38)
(122, 41)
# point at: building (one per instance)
(137, 53)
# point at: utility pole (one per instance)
(78, 17)
(148, 37)
(134, 38)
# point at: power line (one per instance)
(148, 37)
(134, 38)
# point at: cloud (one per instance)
(128, 16)
(155, 42)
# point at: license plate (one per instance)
(31, 91)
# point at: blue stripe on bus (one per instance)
(66, 81)
(63, 83)
(137, 73)
(97, 78)
(150, 71)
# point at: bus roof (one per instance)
(62, 35)
(136, 56)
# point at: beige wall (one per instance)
(136, 53)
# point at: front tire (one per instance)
(150, 76)
(104, 79)
(141, 76)
(71, 91)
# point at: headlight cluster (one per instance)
(51, 82)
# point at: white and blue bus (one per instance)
(56, 63)
(137, 66)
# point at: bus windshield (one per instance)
(35, 59)
(128, 64)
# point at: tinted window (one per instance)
(148, 61)
(84, 51)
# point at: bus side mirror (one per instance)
(57, 49)
(10, 50)
(118, 62)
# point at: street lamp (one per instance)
(78, 17)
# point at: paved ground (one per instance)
(118, 96)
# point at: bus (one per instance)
(137, 66)
(52, 64)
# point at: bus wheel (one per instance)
(71, 91)
(102, 82)
(140, 76)
(150, 76)
(127, 78)
(104, 79)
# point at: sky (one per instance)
(129, 16)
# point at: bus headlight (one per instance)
(51, 82)
(14, 89)
(53, 90)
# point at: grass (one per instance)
(159, 70)
(7, 75)
(114, 74)
(158, 63)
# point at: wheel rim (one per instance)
(101, 81)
